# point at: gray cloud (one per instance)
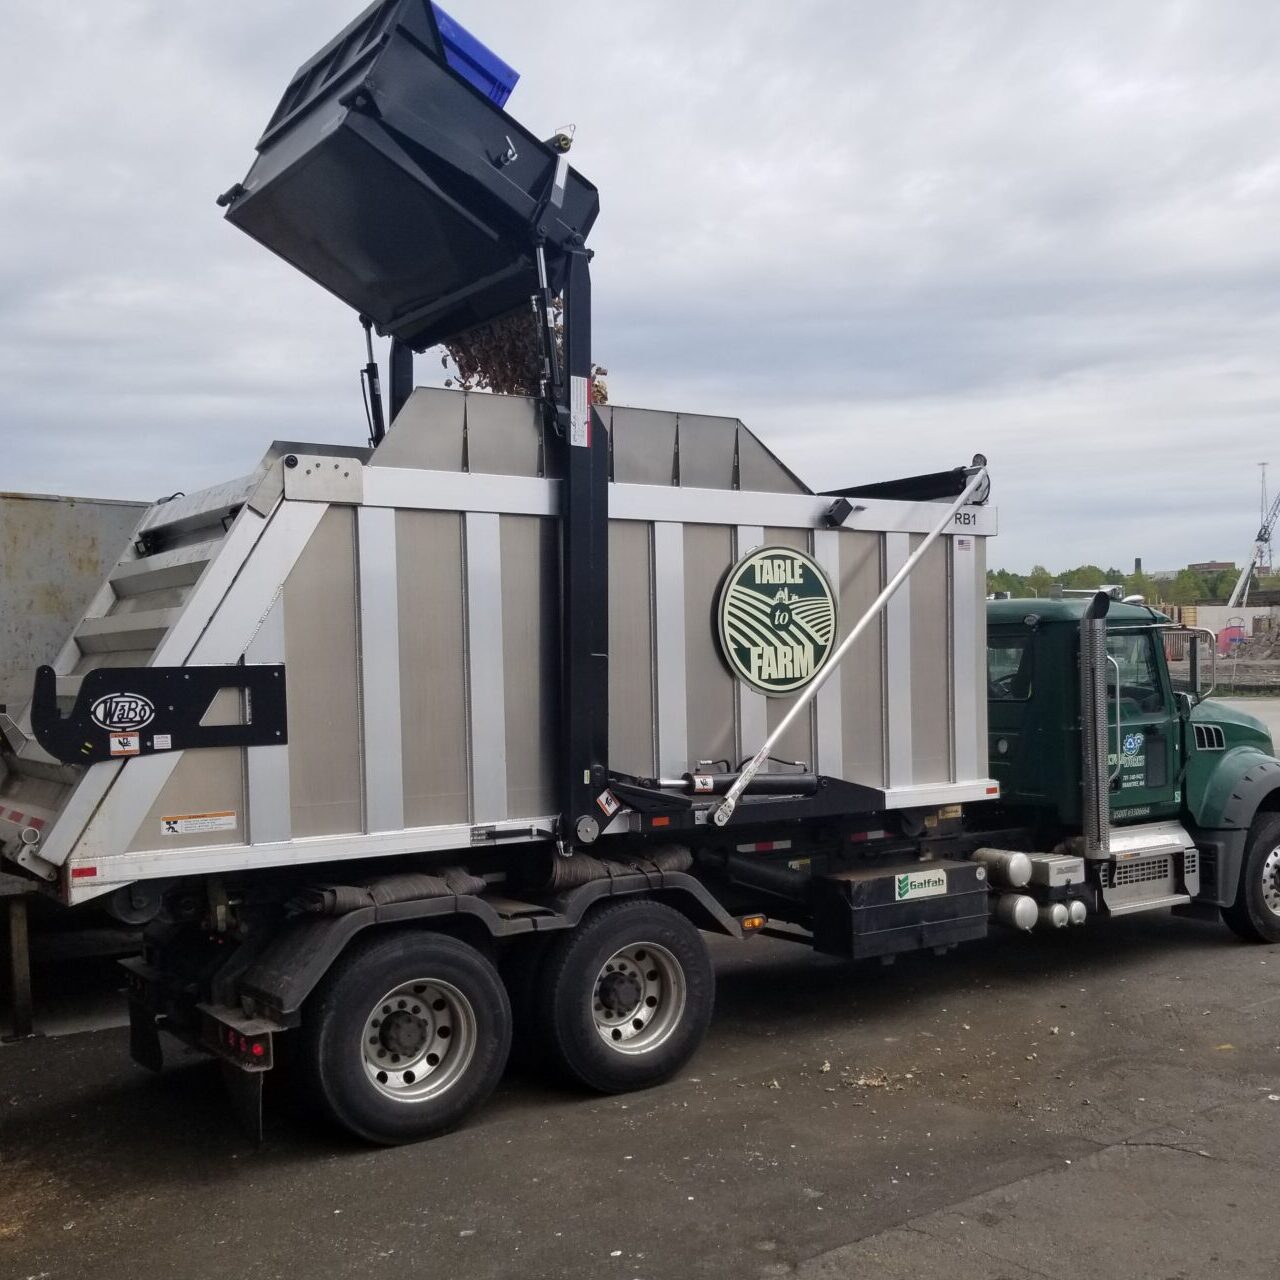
(884, 235)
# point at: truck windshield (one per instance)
(1009, 668)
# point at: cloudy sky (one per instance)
(884, 235)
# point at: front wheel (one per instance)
(626, 998)
(406, 1036)
(1255, 914)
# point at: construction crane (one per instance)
(1258, 556)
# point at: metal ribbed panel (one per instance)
(380, 698)
(644, 443)
(428, 432)
(899, 694)
(325, 768)
(706, 451)
(753, 710)
(930, 666)
(433, 681)
(862, 691)
(710, 696)
(631, 655)
(486, 666)
(530, 596)
(504, 435)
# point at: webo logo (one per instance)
(122, 712)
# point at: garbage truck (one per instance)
(477, 729)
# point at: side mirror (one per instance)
(1198, 636)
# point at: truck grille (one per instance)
(1141, 870)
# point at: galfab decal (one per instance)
(122, 712)
(919, 884)
(777, 619)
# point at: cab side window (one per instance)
(1009, 666)
(1134, 654)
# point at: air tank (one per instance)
(1006, 866)
(1017, 910)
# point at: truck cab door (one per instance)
(1144, 747)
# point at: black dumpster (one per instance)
(395, 182)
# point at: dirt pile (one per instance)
(1264, 647)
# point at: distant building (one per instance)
(1214, 566)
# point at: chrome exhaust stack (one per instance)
(1095, 775)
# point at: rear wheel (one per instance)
(1255, 914)
(626, 998)
(406, 1036)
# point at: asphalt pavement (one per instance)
(1102, 1102)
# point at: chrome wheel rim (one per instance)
(1271, 881)
(638, 998)
(418, 1040)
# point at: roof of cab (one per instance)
(1067, 609)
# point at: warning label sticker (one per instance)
(579, 413)
(196, 824)
(126, 744)
(609, 803)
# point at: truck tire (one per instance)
(406, 1036)
(1255, 914)
(626, 997)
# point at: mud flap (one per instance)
(144, 1037)
(244, 1088)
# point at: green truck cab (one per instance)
(1172, 800)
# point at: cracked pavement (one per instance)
(1101, 1102)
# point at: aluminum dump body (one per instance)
(412, 595)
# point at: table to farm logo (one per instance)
(777, 615)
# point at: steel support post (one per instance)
(584, 574)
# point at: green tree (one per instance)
(1186, 588)
(1085, 576)
(1006, 580)
(1039, 580)
(1218, 586)
(1139, 584)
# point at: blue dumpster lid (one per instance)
(475, 62)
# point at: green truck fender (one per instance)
(1222, 806)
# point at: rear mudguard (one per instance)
(292, 966)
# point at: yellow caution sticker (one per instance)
(198, 824)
